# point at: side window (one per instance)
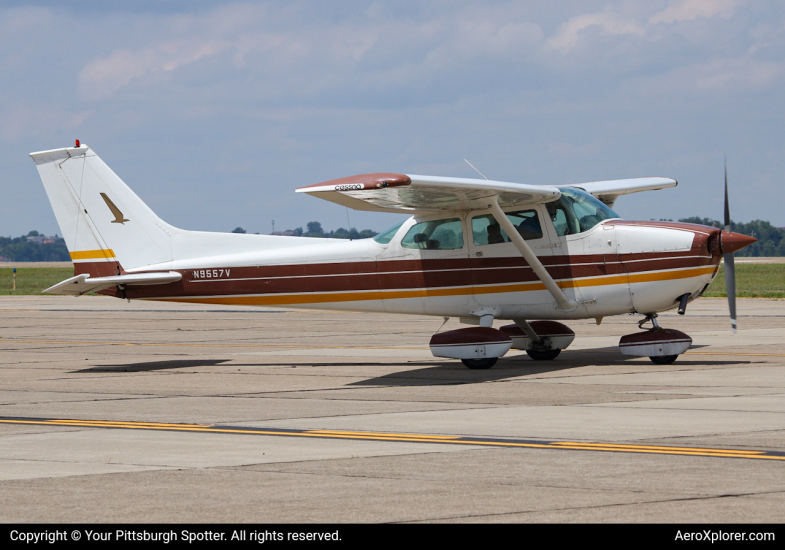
(435, 235)
(564, 221)
(485, 229)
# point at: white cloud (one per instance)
(608, 22)
(687, 10)
(101, 78)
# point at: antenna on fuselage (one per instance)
(475, 169)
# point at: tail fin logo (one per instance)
(118, 216)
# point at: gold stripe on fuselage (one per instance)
(321, 297)
(103, 254)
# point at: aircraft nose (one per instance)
(731, 242)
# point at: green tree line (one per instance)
(314, 229)
(21, 249)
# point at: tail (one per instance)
(106, 227)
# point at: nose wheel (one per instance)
(663, 359)
(661, 345)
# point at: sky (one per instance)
(215, 112)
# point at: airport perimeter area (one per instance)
(146, 412)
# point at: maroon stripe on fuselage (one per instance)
(691, 227)
(410, 274)
(97, 269)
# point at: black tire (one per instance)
(543, 355)
(480, 364)
(663, 359)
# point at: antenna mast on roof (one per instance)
(475, 169)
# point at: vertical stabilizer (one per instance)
(106, 227)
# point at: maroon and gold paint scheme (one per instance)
(377, 180)
(656, 342)
(543, 329)
(662, 336)
(315, 283)
(474, 336)
(96, 263)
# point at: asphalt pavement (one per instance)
(143, 412)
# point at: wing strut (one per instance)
(528, 255)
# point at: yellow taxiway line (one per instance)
(407, 438)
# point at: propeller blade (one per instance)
(730, 267)
(727, 206)
(730, 287)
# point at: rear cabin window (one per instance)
(435, 235)
(486, 230)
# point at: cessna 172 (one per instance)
(474, 249)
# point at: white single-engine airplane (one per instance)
(474, 249)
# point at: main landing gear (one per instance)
(480, 364)
(542, 340)
(480, 347)
(661, 345)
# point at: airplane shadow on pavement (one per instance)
(520, 366)
(155, 365)
(448, 371)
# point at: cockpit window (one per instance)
(577, 211)
(386, 236)
(435, 235)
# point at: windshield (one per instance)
(577, 211)
(386, 236)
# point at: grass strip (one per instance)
(752, 281)
(31, 280)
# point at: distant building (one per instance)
(40, 239)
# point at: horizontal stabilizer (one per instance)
(82, 284)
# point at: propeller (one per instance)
(730, 243)
(730, 267)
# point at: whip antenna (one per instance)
(475, 169)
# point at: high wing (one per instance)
(383, 192)
(609, 191)
(389, 192)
